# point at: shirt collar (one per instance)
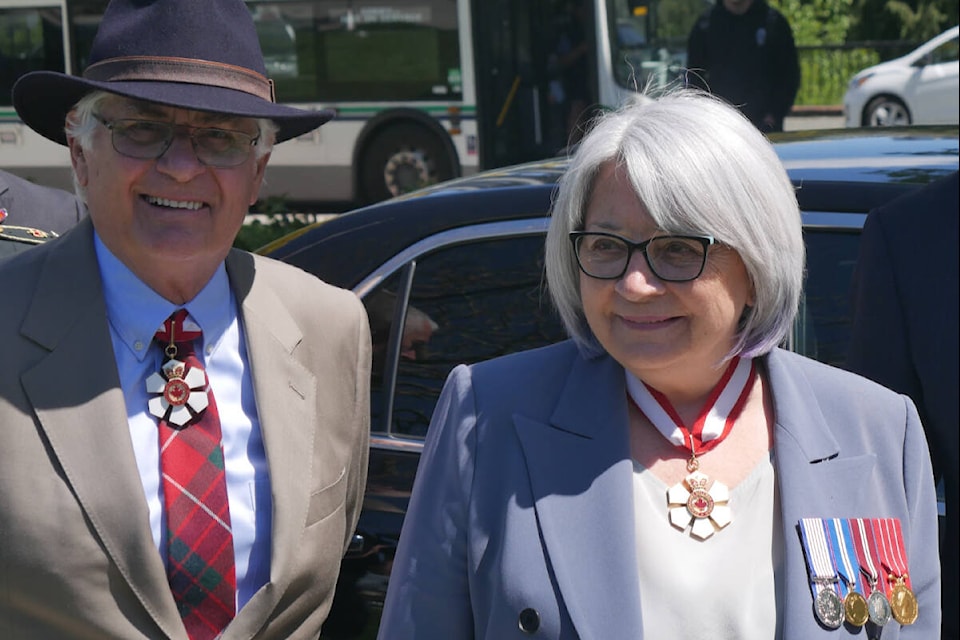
(136, 311)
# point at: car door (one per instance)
(936, 97)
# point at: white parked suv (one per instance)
(918, 88)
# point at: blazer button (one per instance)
(529, 620)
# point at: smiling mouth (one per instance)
(190, 205)
(648, 322)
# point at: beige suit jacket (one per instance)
(77, 559)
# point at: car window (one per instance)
(465, 303)
(947, 52)
(822, 330)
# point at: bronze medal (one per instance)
(855, 609)
(829, 608)
(903, 603)
(878, 608)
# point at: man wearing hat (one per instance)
(183, 426)
(31, 214)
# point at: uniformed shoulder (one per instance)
(26, 235)
(31, 205)
(17, 239)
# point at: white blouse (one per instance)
(724, 587)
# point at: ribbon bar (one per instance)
(169, 69)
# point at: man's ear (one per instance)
(259, 168)
(79, 161)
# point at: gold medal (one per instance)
(855, 609)
(903, 602)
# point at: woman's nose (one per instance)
(639, 279)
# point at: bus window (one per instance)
(278, 40)
(85, 17)
(649, 40)
(31, 39)
(339, 50)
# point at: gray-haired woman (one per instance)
(669, 472)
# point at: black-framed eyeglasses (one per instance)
(670, 258)
(150, 139)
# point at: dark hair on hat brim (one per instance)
(44, 98)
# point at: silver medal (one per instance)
(879, 608)
(829, 609)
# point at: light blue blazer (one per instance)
(524, 498)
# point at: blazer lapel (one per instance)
(809, 461)
(75, 392)
(814, 479)
(286, 397)
(581, 476)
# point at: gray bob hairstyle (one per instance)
(699, 167)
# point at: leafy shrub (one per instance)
(826, 71)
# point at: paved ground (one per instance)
(820, 121)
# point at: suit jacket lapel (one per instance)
(581, 475)
(814, 479)
(75, 392)
(286, 397)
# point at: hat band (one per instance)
(164, 69)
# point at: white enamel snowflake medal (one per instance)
(692, 500)
(181, 393)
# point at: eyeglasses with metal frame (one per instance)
(675, 258)
(150, 139)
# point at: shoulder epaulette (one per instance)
(27, 235)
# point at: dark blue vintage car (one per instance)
(454, 273)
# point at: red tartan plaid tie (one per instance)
(200, 562)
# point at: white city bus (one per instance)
(425, 90)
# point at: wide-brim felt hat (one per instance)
(193, 54)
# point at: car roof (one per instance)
(843, 170)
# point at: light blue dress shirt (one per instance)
(135, 313)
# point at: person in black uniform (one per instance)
(743, 51)
(31, 213)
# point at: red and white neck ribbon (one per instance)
(715, 419)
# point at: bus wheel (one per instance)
(402, 158)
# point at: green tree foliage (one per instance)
(913, 20)
(675, 18)
(822, 27)
(818, 22)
